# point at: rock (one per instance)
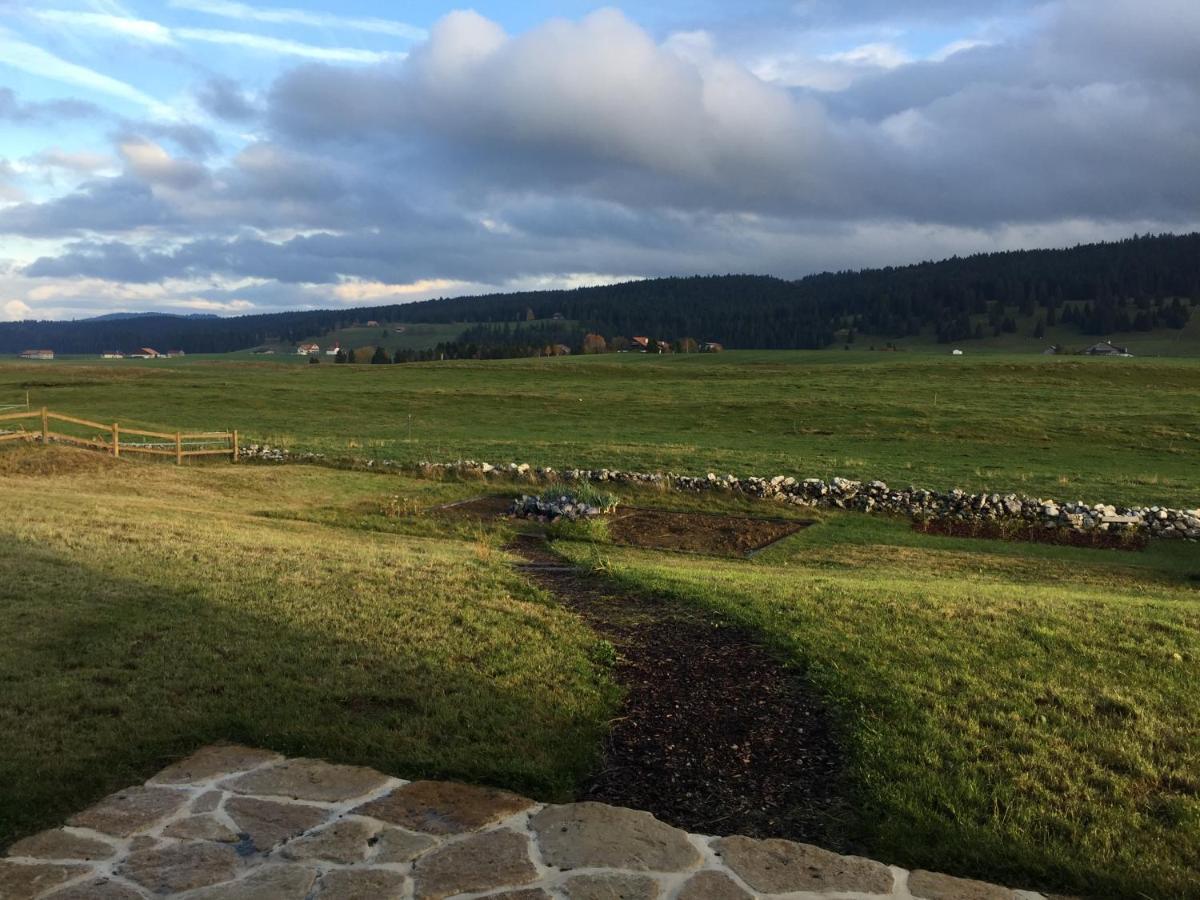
(342, 842)
(268, 883)
(127, 812)
(394, 845)
(269, 823)
(183, 867)
(207, 802)
(592, 835)
(611, 887)
(931, 886)
(436, 807)
(777, 866)
(361, 884)
(24, 881)
(309, 779)
(201, 828)
(527, 894)
(712, 886)
(480, 862)
(61, 844)
(100, 888)
(213, 762)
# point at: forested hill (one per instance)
(1142, 283)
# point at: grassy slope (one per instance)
(149, 610)
(1015, 713)
(415, 337)
(1094, 429)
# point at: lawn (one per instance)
(1114, 430)
(151, 609)
(1024, 714)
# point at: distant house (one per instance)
(1106, 348)
(956, 353)
(308, 349)
(663, 346)
(1052, 350)
(333, 351)
(37, 354)
(171, 354)
(112, 354)
(562, 350)
(712, 347)
(557, 317)
(640, 343)
(145, 353)
(372, 324)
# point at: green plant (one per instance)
(590, 530)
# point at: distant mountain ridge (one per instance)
(1138, 284)
(122, 316)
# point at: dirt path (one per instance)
(715, 735)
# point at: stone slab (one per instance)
(481, 862)
(269, 823)
(344, 842)
(361, 884)
(201, 828)
(127, 812)
(617, 886)
(268, 883)
(182, 867)
(592, 835)
(25, 881)
(712, 886)
(97, 889)
(778, 867)
(61, 844)
(395, 845)
(436, 807)
(213, 762)
(308, 779)
(932, 886)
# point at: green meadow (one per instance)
(1117, 430)
(1019, 713)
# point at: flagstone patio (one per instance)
(235, 823)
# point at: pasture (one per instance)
(1014, 712)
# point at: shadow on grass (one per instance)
(104, 680)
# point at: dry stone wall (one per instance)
(839, 493)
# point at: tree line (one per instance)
(1141, 283)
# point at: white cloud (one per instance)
(34, 60)
(283, 47)
(879, 55)
(141, 29)
(15, 310)
(283, 16)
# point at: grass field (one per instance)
(1117, 430)
(1020, 713)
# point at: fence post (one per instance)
(178, 448)
(116, 439)
(45, 427)
(235, 445)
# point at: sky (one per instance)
(229, 157)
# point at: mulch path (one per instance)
(714, 736)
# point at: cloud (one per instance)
(282, 16)
(223, 98)
(13, 110)
(278, 45)
(138, 29)
(80, 162)
(32, 59)
(17, 310)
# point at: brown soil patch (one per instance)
(715, 735)
(661, 529)
(690, 532)
(1099, 540)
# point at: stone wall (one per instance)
(839, 493)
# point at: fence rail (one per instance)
(114, 438)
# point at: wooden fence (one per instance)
(116, 439)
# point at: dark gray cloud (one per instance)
(12, 109)
(225, 99)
